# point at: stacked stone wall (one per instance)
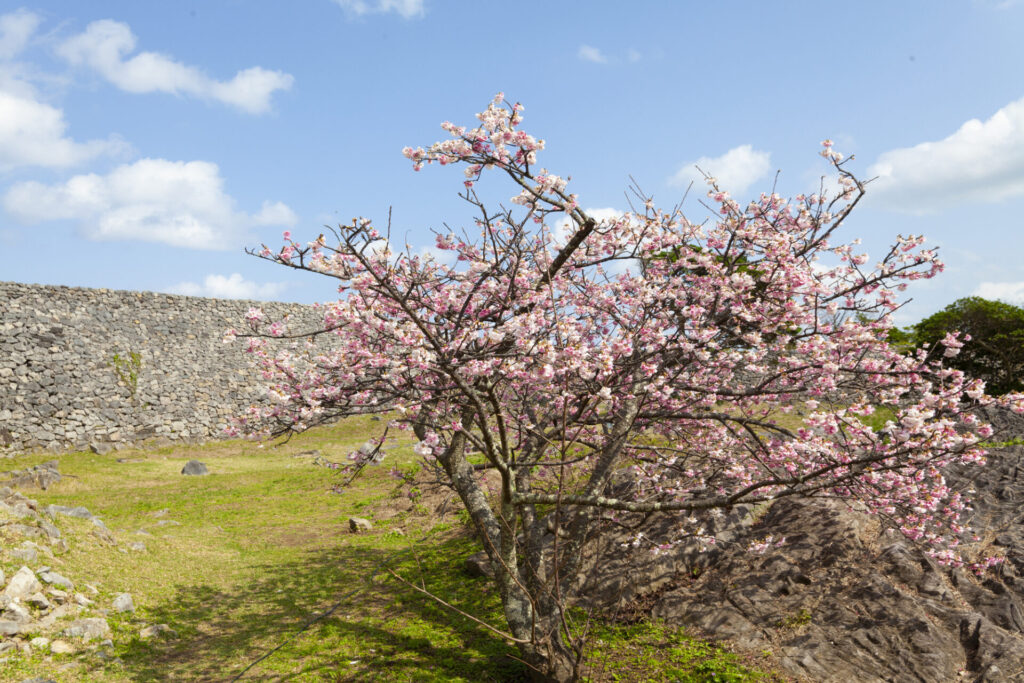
(60, 390)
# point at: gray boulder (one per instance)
(87, 629)
(79, 511)
(123, 603)
(359, 525)
(55, 579)
(195, 468)
(23, 584)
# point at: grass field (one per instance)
(256, 559)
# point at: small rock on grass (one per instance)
(87, 629)
(23, 584)
(194, 467)
(39, 643)
(55, 579)
(123, 603)
(137, 546)
(62, 647)
(8, 627)
(358, 524)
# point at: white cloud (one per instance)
(32, 133)
(232, 286)
(275, 213)
(736, 170)
(105, 45)
(983, 161)
(589, 53)
(407, 9)
(1010, 292)
(15, 30)
(182, 204)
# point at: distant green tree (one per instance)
(995, 352)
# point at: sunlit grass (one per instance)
(260, 547)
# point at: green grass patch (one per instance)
(257, 558)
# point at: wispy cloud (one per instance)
(104, 46)
(589, 53)
(983, 161)
(16, 28)
(407, 9)
(594, 55)
(1010, 292)
(736, 170)
(232, 286)
(182, 204)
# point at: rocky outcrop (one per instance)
(35, 598)
(841, 600)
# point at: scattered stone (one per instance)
(23, 584)
(58, 595)
(16, 612)
(137, 546)
(27, 553)
(39, 476)
(104, 536)
(79, 511)
(82, 600)
(157, 631)
(9, 628)
(160, 513)
(39, 643)
(24, 530)
(168, 522)
(100, 448)
(7, 645)
(39, 679)
(123, 603)
(87, 629)
(195, 468)
(359, 524)
(55, 579)
(62, 647)
(38, 600)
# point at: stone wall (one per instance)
(59, 389)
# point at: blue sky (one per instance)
(144, 145)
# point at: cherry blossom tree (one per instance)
(568, 354)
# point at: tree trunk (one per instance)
(549, 661)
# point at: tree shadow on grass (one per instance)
(378, 628)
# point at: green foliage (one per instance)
(995, 352)
(903, 339)
(127, 369)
